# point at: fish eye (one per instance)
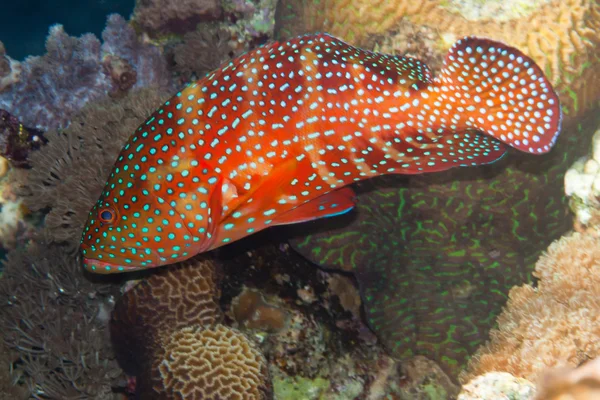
(106, 215)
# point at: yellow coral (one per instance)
(562, 36)
(209, 363)
(555, 324)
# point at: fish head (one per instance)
(130, 228)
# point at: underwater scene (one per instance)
(300, 199)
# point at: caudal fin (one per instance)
(501, 92)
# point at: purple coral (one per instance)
(120, 40)
(56, 85)
(10, 70)
(16, 141)
(75, 71)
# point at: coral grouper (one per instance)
(277, 135)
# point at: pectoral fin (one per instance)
(331, 204)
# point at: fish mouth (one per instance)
(103, 267)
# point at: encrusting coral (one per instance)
(53, 322)
(582, 185)
(251, 310)
(554, 324)
(69, 173)
(561, 36)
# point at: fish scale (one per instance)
(277, 135)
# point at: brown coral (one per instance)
(410, 40)
(554, 324)
(68, 175)
(165, 332)
(252, 311)
(163, 17)
(561, 36)
(121, 73)
(202, 51)
(7, 387)
(173, 298)
(51, 320)
(208, 363)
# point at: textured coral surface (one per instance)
(554, 324)
(53, 322)
(561, 36)
(497, 386)
(160, 17)
(582, 185)
(69, 173)
(210, 363)
(173, 298)
(52, 88)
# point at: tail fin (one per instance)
(502, 93)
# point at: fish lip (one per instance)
(99, 266)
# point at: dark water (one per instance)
(24, 24)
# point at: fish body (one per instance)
(277, 135)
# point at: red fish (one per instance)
(277, 135)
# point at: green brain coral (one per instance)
(435, 255)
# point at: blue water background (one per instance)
(24, 24)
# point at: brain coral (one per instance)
(166, 332)
(562, 36)
(173, 298)
(556, 323)
(209, 363)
